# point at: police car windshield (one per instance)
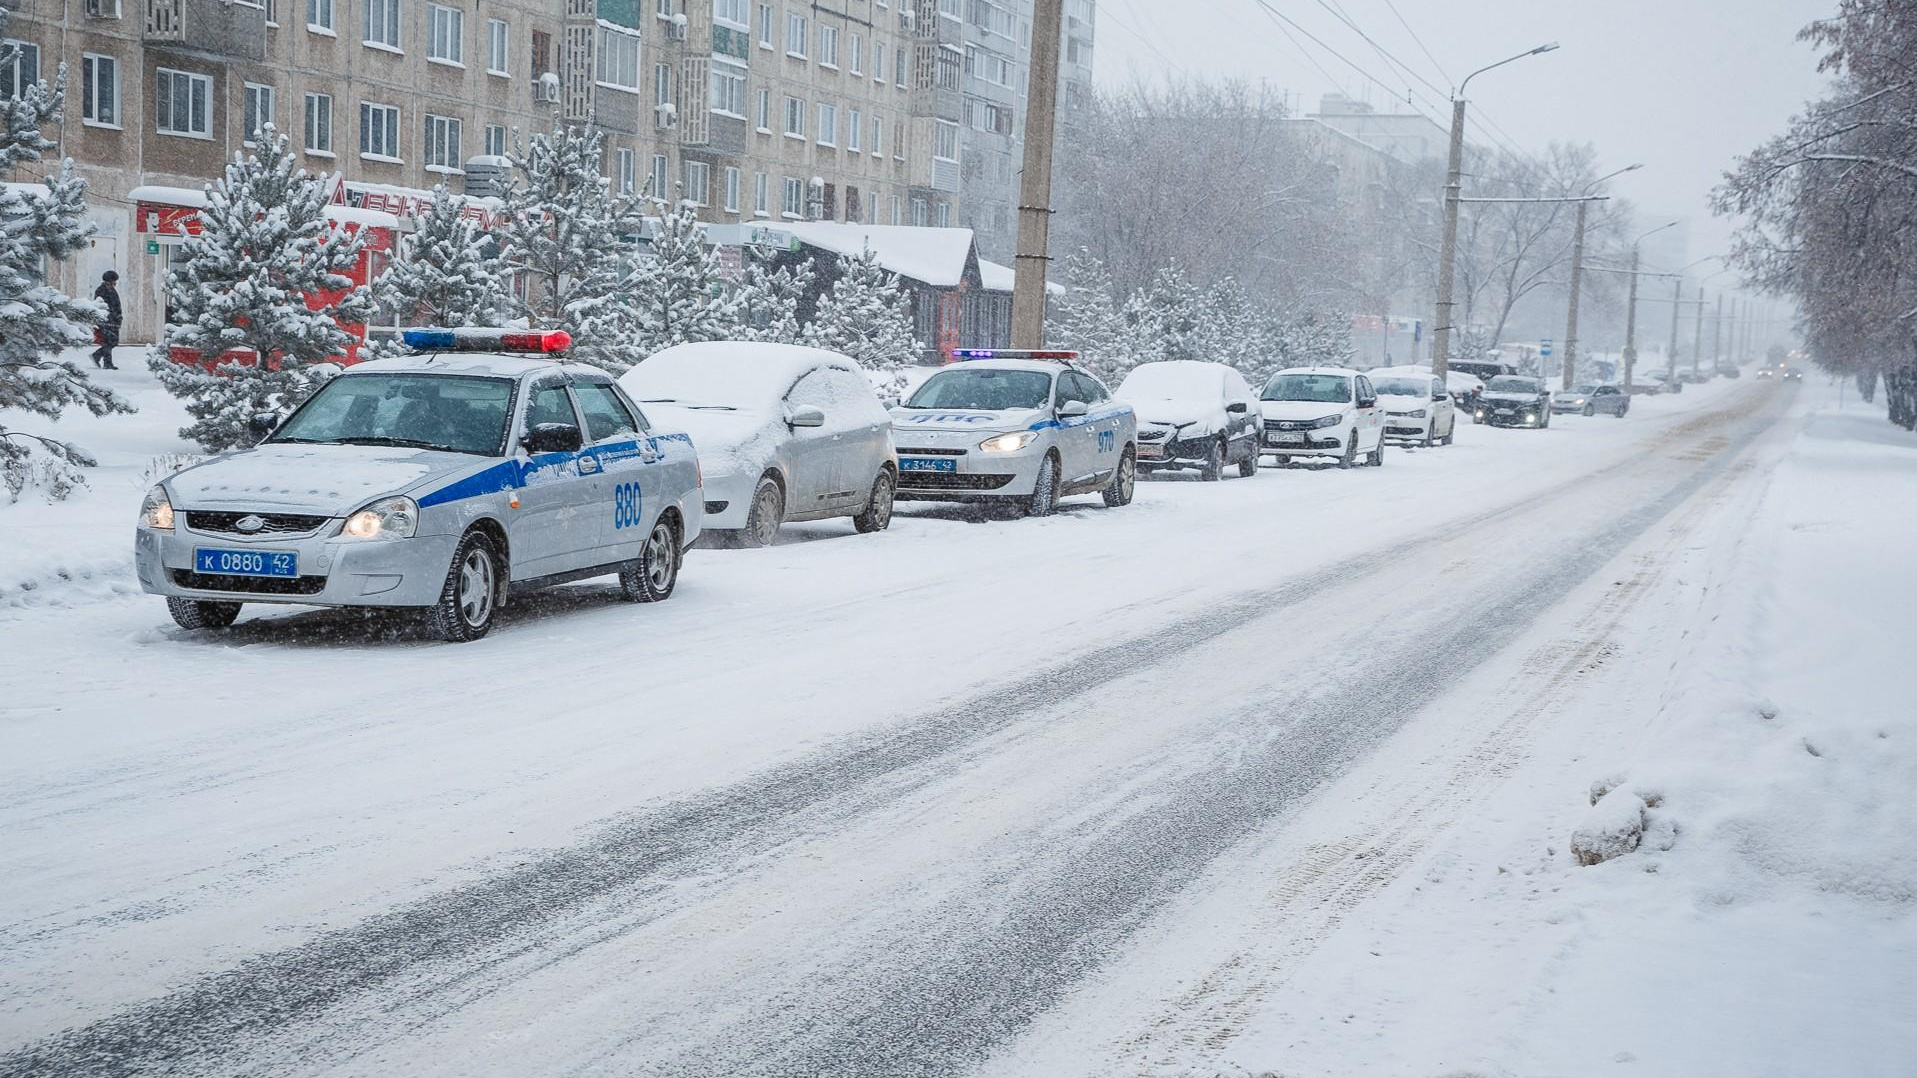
(1326, 388)
(1509, 384)
(983, 389)
(456, 413)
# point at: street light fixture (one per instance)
(1448, 251)
(1577, 278)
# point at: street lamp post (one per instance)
(1630, 317)
(1448, 249)
(1577, 279)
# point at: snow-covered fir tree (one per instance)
(568, 232)
(40, 225)
(1087, 319)
(264, 251)
(769, 298)
(1164, 320)
(447, 276)
(678, 293)
(863, 316)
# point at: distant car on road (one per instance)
(1793, 374)
(1656, 382)
(1590, 399)
(784, 434)
(1729, 370)
(1514, 400)
(1482, 369)
(1322, 412)
(1418, 407)
(442, 482)
(1017, 427)
(1193, 415)
(1767, 372)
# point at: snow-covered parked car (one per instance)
(1515, 400)
(441, 482)
(1193, 414)
(1417, 405)
(1322, 412)
(784, 434)
(1021, 427)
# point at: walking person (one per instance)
(108, 332)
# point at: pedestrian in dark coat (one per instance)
(108, 332)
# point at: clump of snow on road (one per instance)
(1616, 825)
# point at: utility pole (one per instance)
(1035, 186)
(1717, 334)
(1577, 286)
(1677, 305)
(1630, 326)
(1697, 332)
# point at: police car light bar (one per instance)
(1011, 353)
(486, 340)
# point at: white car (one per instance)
(1022, 427)
(1322, 412)
(1418, 408)
(443, 482)
(1193, 414)
(784, 433)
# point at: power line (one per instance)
(1442, 73)
(1111, 14)
(1338, 12)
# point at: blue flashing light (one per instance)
(544, 341)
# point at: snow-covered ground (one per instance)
(1117, 791)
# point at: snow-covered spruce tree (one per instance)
(264, 249)
(678, 294)
(446, 277)
(39, 226)
(769, 298)
(863, 316)
(566, 231)
(1087, 319)
(1164, 319)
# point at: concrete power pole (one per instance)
(1697, 332)
(1630, 327)
(1677, 305)
(1448, 247)
(1035, 186)
(1717, 334)
(1577, 285)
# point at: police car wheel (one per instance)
(652, 577)
(878, 509)
(1124, 481)
(767, 513)
(470, 597)
(199, 614)
(1044, 497)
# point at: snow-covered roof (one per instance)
(998, 277)
(497, 364)
(196, 199)
(934, 256)
(1346, 371)
(726, 372)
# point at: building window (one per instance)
(793, 204)
(854, 129)
(497, 47)
(319, 15)
(794, 117)
(878, 61)
(828, 124)
(856, 62)
(898, 140)
(442, 144)
(496, 140)
(663, 9)
(378, 132)
(445, 34)
(898, 68)
(109, 9)
(878, 136)
(761, 194)
(732, 189)
(183, 104)
(765, 110)
(728, 89)
(656, 183)
(795, 35)
(628, 171)
(731, 11)
(698, 182)
(945, 215)
(99, 90)
(897, 218)
(618, 66)
(921, 217)
(541, 53)
(661, 84)
(273, 13)
(382, 23)
(765, 26)
(828, 46)
(945, 140)
(258, 111)
(319, 124)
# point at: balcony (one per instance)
(232, 30)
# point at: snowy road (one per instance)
(847, 806)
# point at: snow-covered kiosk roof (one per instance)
(932, 256)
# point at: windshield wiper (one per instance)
(403, 443)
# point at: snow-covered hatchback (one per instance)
(1022, 427)
(439, 482)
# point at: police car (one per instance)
(1029, 427)
(441, 482)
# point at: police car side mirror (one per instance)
(1073, 408)
(553, 438)
(263, 424)
(1237, 407)
(806, 417)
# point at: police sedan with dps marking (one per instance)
(1020, 427)
(441, 482)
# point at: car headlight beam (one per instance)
(388, 518)
(1008, 443)
(156, 511)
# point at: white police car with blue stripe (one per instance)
(443, 481)
(1028, 427)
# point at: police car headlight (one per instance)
(1008, 443)
(157, 511)
(388, 518)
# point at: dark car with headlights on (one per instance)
(1513, 400)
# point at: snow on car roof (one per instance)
(1346, 371)
(498, 364)
(723, 372)
(934, 256)
(1047, 366)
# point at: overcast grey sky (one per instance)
(1680, 85)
